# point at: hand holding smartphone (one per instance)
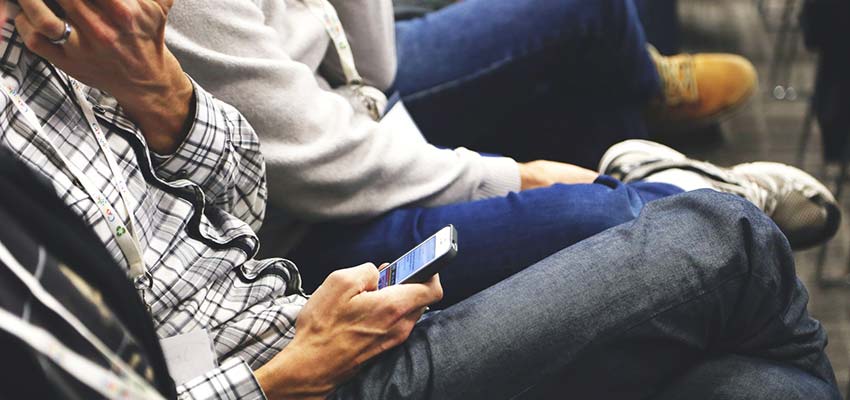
(423, 262)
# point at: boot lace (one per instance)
(678, 77)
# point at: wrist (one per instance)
(529, 177)
(291, 375)
(162, 106)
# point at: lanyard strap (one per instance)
(372, 98)
(93, 375)
(124, 235)
(325, 11)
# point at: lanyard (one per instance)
(92, 375)
(124, 234)
(130, 386)
(374, 100)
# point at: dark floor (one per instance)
(770, 129)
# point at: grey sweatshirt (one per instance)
(326, 158)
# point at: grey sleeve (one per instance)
(324, 159)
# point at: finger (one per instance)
(407, 298)
(90, 21)
(42, 19)
(368, 275)
(120, 12)
(38, 43)
(435, 284)
(354, 280)
(395, 336)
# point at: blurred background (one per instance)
(801, 115)
(782, 125)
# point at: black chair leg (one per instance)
(806, 135)
(842, 176)
(784, 51)
(822, 280)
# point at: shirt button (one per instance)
(182, 174)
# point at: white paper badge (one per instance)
(189, 355)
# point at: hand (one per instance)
(542, 173)
(118, 46)
(346, 322)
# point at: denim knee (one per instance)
(739, 227)
(728, 210)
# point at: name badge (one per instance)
(189, 355)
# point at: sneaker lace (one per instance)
(678, 77)
(764, 193)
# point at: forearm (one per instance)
(162, 106)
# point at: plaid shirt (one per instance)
(194, 213)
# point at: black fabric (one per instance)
(32, 214)
(660, 20)
(824, 24)
(409, 9)
(825, 30)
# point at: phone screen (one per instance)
(408, 264)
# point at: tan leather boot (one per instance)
(700, 88)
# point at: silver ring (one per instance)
(65, 35)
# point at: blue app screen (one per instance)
(409, 264)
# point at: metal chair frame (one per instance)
(840, 182)
(785, 53)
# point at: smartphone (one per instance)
(421, 263)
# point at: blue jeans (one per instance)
(560, 80)
(497, 237)
(696, 299)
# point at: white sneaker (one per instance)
(803, 208)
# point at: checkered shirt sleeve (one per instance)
(221, 155)
(232, 380)
(190, 211)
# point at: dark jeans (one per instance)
(696, 299)
(496, 75)
(560, 80)
(497, 237)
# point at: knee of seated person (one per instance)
(731, 214)
(740, 377)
